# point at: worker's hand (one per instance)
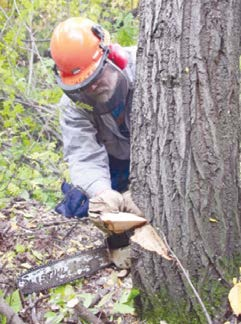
(129, 205)
(106, 202)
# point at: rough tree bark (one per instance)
(185, 168)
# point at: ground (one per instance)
(31, 235)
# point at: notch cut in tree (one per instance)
(148, 239)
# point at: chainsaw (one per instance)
(115, 251)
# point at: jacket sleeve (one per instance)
(87, 159)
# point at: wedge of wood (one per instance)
(121, 222)
(147, 237)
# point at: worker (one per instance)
(97, 79)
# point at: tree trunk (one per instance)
(185, 167)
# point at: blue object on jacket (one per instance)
(75, 202)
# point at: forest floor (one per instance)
(31, 235)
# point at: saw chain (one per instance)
(81, 264)
(59, 272)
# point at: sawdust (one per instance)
(31, 235)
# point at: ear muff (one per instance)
(118, 56)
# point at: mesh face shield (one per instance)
(104, 91)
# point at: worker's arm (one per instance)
(88, 162)
(87, 159)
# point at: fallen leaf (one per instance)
(14, 225)
(31, 224)
(19, 248)
(26, 265)
(27, 215)
(234, 298)
(75, 242)
(86, 299)
(73, 302)
(72, 250)
(9, 256)
(123, 309)
(213, 220)
(37, 255)
(2, 216)
(105, 299)
(123, 273)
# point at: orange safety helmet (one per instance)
(78, 47)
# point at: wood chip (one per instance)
(147, 237)
(121, 222)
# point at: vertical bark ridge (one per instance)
(185, 172)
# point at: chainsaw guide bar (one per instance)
(81, 264)
(59, 272)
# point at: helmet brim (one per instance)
(81, 85)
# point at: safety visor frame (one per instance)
(87, 82)
(117, 93)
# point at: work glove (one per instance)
(106, 202)
(129, 205)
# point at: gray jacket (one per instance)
(88, 139)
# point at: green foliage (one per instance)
(31, 161)
(126, 30)
(64, 298)
(59, 298)
(126, 302)
(14, 301)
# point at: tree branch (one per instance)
(86, 315)
(6, 310)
